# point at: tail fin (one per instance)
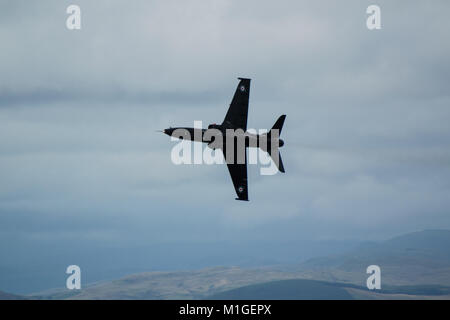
(277, 157)
(279, 124)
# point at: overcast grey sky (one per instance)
(367, 135)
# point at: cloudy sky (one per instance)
(85, 177)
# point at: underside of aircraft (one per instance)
(236, 121)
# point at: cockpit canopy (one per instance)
(214, 126)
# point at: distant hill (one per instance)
(171, 285)
(413, 266)
(297, 289)
(301, 289)
(412, 259)
(9, 296)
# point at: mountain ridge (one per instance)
(417, 260)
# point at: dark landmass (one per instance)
(9, 296)
(297, 289)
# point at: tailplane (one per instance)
(276, 157)
(280, 162)
(279, 124)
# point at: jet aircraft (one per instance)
(234, 127)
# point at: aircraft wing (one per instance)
(238, 173)
(236, 117)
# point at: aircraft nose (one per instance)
(281, 143)
(168, 131)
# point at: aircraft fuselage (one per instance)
(200, 135)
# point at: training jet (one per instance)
(236, 120)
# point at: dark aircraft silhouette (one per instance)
(235, 119)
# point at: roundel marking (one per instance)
(241, 189)
(242, 88)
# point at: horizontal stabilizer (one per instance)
(278, 162)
